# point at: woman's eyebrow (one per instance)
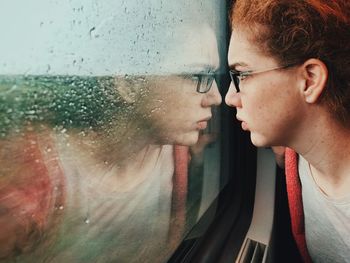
(206, 67)
(201, 68)
(237, 64)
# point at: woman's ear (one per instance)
(315, 74)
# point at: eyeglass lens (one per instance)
(235, 79)
(204, 83)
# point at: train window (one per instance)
(110, 127)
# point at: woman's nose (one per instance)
(233, 98)
(213, 96)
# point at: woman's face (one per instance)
(172, 104)
(268, 104)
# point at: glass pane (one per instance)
(107, 151)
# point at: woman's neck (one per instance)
(127, 161)
(326, 147)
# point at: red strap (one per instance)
(295, 202)
(179, 193)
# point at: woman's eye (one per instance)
(195, 78)
(243, 77)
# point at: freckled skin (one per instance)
(269, 103)
(175, 108)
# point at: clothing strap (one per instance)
(295, 202)
(179, 193)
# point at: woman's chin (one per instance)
(259, 141)
(188, 139)
(185, 139)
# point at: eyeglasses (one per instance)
(238, 76)
(204, 81)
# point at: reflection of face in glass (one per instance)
(171, 102)
(78, 151)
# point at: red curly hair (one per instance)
(294, 31)
(31, 192)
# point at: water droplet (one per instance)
(91, 31)
(87, 221)
(154, 110)
(60, 207)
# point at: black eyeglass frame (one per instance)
(238, 76)
(207, 79)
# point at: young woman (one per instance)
(290, 85)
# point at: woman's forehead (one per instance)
(195, 49)
(243, 50)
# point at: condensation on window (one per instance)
(108, 152)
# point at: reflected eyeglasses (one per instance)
(238, 76)
(204, 81)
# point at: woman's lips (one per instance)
(244, 126)
(202, 125)
(243, 123)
